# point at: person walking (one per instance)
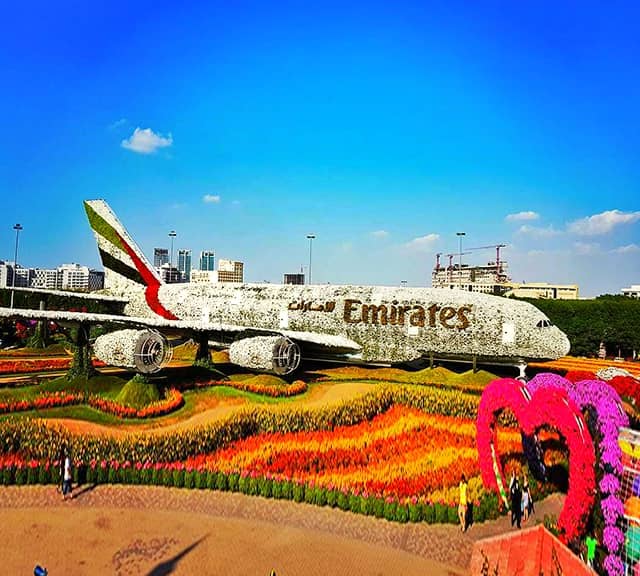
(462, 505)
(526, 499)
(66, 479)
(516, 502)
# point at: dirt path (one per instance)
(147, 530)
(213, 409)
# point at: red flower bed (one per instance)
(173, 401)
(42, 402)
(38, 365)
(579, 375)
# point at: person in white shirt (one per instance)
(66, 479)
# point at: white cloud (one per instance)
(586, 248)
(519, 216)
(538, 232)
(146, 141)
(380, 234)
(115, 125)
(602, 223)
(628, 249)
(211, 199)
(423, 242)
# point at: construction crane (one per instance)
(496, 246)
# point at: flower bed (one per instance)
(38, 441)
(400, 454)
(171, 402)
(403, 465)
(262, 384)
(38, 365)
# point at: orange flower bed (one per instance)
(403, 453)
(567, 363)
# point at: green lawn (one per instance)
(104, 385)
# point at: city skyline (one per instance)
(380, 131)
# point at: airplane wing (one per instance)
(95, 296)
(215, 328)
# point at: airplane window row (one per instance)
(544, 324)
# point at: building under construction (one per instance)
(493, 279)
(489, 279)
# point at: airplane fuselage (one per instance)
(388, 324)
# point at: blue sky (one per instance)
(381, 129)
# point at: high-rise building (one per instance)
(184, 265)
(294, 279)
(230, 271)
(207, 260)
(160, 257)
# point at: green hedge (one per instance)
(114, 473)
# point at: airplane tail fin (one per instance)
(124, 263)
(125, 266)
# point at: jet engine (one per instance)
(144, 351)
(274, 354)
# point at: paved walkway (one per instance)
(442, 544)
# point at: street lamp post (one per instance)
(310, 237)
(460, 235)
(17, 228)
(172, 235)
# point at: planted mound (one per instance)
(439, 376)
(138, 393)
(260, 380)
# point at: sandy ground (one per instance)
(229, 534)
(116, 541)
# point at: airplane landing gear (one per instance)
(522, 376)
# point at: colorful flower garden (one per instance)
(397, 452)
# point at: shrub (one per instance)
(390, 510)
(342, 501)
(415, 513)
(298, 492)
(441, 513)
(429, 513)
(138, 393)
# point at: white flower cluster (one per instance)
(256, 352)
(118, 348)
(611, 372)
(386, 324)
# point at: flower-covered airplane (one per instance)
(271, 327)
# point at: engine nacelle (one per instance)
(275, 354)
(144, 351)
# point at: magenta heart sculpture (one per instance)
(547, 407)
